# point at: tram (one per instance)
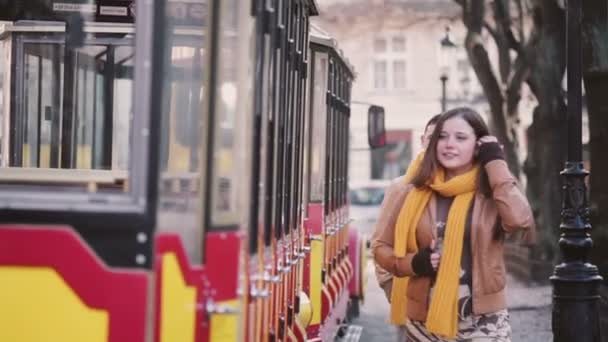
(175, 170)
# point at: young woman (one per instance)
(442, 235)
(385, 279)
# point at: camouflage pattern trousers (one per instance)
(491, 327)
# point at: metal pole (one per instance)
(68, 119)
(109, 75)
(575, 280)
(444, 79)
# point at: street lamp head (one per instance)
(447, 54)
(446, 42)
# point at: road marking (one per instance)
(353, 333)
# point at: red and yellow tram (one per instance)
(174, 171)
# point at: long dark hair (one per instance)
(432, 121)
(430, 164)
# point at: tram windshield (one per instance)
(69, 122)
(96, 95)
(69, 109)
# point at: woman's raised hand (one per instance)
(488, 149)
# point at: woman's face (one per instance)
(456, 146)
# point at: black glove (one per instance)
(421, 263)
(490, 151)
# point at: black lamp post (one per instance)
(575, 280)
(444, 79)
(448, 51)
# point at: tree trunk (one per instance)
(546, 157)
(547, 136)
(595, 68)
(473, 17)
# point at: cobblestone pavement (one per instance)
(530, 312)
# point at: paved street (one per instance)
(529, 307)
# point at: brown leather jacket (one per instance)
(507, 202)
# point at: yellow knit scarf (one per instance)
(442, 318)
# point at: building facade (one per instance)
(395, 48)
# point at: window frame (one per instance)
(318, 128)
(243, 34)
(25, 39)
(27, 203)
(389, 57)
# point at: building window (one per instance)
(463, 77)
(399, 44)
(389, 64)
(399, 74)
(380, 45)
(380, 75)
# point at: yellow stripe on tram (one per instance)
(178, 303)
(38, 305)
(316, 263)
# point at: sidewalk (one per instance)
(529, 311)
(523, 297)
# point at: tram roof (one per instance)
(314, 7)
(59, 26)
(89, 27)
(320, 37)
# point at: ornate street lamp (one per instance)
(575, 280)
(447, 56)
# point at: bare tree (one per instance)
(501, 83)
(530, 40)
(548, 133)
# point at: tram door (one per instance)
(70, 108)
(200, 249)
(276, 237)
(77, 172)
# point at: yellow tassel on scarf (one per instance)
(442, 318)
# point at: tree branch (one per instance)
(520, 74)
(491, 30)
(480, 61)
(503, 19)
(476, 15)
(474, 20)
(478, 56)
(520, 9)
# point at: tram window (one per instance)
(185, 127)
(180, 189)
(43, 99)
(68, 120)
(318, 117)
(306, 147)
(231, 132)
(43, 95)
(100, 86)
(3, 73)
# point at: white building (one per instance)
(394, 46)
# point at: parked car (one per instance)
(365, 200)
